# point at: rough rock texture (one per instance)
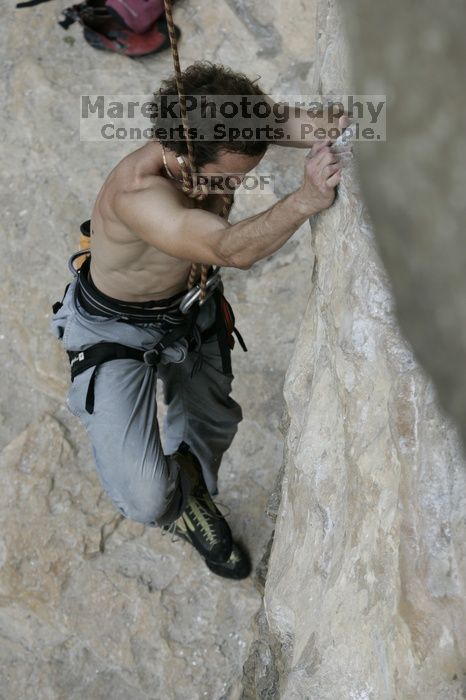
(365, 590)
(92, 606)
(415, 183)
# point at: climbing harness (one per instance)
(99, 353)
(94, 356)
(177, 315)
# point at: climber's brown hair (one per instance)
(205, 78)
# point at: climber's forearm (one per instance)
(261, 235)
(255, 238)
(302, 130)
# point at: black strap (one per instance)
(58, 304)
(94, 357)
(99, 353)
(240, 339)
(90, 395)
(30, 3)
(222, 335)
(220, 329)
(71, 16)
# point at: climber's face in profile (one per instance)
(234, 165)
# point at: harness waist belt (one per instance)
(177, 325)
(96, 302)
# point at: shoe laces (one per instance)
(173, 527)
(207, 511)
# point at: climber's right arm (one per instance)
(201, 236)
(259, 236)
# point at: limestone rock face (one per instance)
(364, 595)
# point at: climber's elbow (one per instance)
(237, 259)
(245, 264)
(240, 262)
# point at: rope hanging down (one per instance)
(188, 170)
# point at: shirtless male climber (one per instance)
(121, 323)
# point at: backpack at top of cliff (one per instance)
(130, 27)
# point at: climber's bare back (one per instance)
(123, 265)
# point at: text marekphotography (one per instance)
(113, 118)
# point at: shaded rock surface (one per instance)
(364, 595)
(93, 606)
(414, 183)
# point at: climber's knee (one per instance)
(153, 503)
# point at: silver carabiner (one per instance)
(193, 295)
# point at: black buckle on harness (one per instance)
(151, 357)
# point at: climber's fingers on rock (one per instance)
(334, 179)
(323, 157)
(343, 150)
(343, 122)
(317, 147)
(329, 170)
(343, 157)
(320, 168)
(330, 158)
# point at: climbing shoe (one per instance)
(201, 522)
(237, 566)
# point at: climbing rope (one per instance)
(188, 170)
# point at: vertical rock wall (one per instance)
(364, 595)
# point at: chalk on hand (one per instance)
(345, 138)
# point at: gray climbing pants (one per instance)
(145, 484)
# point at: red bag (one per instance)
(138, 15)
(130, 27)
